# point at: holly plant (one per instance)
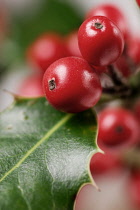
(80, 101)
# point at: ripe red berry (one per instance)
(71, 85)
(72, 44)
(113, 13)
(133, 49)
(45, 50)
(123, 66)
(137, 110)
(100, 41)
(134, 188)
(102, 163)
(31, 87)
(118, 127)
(138, 2)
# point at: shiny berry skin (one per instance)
(45, 50)
(31, 87)
(133, 49)
(113, 13)
(100, 41)
(118, 128)
(102, 163)
(71, 85)
(134, 188)
(72, 44)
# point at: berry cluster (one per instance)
(96, 60)
(72, 84)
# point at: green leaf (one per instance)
(44, 155)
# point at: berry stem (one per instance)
(120, 88)
(117, 80)
(122, 91)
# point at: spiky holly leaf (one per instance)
(44, 155)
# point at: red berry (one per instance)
(100, 41)
(133, 49)
(31, 87)
(113, 13)
(118, 127)
(102, 163)
(134, 188)
(123, 66)
(72, 44)
(137, 110)
(45, 50)
(138, 2)
(71, 85)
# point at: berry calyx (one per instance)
(100, 41)
(111, 12)
(71, 85)
(118, 127)
(45, 50)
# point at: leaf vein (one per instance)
(22, 194)
(42, 140)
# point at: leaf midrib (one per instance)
(42, 140)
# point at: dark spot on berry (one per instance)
(52, 84)
(98, 25)
(119, 129)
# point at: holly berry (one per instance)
(71, 85)
(137, 110)
(102, 163)
(72, 44)
(118, 127)
(123, 66)
(31, 87)
(134, 188)
(138, 2)
(100, 41)
(113, 13)
(133, 49)
(45, 50)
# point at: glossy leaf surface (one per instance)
(44, 155)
